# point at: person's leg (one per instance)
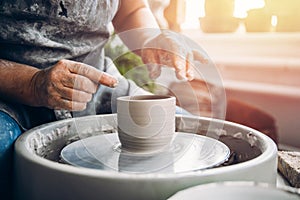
(9, 131)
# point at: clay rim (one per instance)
(269, 153)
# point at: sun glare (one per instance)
(242, 6)
(195, 9)
(274, 20)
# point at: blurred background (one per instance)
(255, 46)
(217, 16)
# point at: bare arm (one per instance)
(138, 29)
(66, 85)
(135, 14)
(17, 82)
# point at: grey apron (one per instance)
(41, 32)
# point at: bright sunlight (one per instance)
(195, 9)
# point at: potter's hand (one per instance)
(68, 85)
(170, 49)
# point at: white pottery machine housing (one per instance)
(39, 175)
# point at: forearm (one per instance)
(17, 82)
(138, 29)
(135, 23)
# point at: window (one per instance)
(243, 15)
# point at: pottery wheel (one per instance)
(187, 152)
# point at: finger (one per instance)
(79, 82)
(70, 105)
(92, 73)
(199, 56)
(74, 95)
(189, 67)
(178, 59)
(180, 67)
(151, 59)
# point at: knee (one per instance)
(9, 131)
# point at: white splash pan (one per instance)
(38, 178)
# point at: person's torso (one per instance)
(41, 32)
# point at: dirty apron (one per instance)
(39, 33)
